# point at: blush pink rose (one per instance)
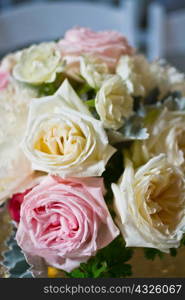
(107, 45)
(65, 221)
(4, 80)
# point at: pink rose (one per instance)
(14, 205)
(65, 221)
(4, 79)
(107, 45)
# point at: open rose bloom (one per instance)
(92, 155)
(65, 221)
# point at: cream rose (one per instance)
(135, 72)
(150, 204)
(93, 70)
(14, 166)
(63, 140)
(113, 102)
(167, 78)
(38, 64)
(167, 132)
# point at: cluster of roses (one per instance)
(55, 147)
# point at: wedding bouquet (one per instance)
(92, 156)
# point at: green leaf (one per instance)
(97, 271)
(90, 103)
(48, 89)
(151, 253)
(109, 262)
(182, 243)
(77, 273)
(173, 252)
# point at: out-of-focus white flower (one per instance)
(150, 204)
(38, 64)
(135, 72)
(63, 138)
(93, 70)
(167, 78)
(9, 61)
(113, 102)
(166, 135)
(14, 166)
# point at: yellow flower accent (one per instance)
(52, 272)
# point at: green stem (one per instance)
(90, 103)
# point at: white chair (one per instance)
(37, 22)
(166, 35)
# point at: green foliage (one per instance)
(48, 89)
(109, 262)
(14, 261)
(173, 252)
(151, 253)
(182, 241)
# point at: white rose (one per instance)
(39, 64)
(167, 78)
(9, 61)
(113, 102)
(14, 169)
(150, 204)
(93, 70)
(135, 72)
(14, 166)
(63, 138)
(166, 135)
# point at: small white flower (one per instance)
(167, 78)
(113, 102)
(135, 72)
(38, 64)
(93, 70)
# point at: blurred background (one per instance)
(154, 27)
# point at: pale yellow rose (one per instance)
(136, 74)
(113, 102)
(166, 135)
(150, 204)
(14, 166)
(39, 64)
(93, 70)
(63, 138)
(167, 78)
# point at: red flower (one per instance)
(14, 205)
